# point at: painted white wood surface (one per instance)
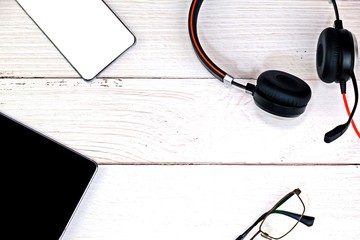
(244, 37)
(213, 202)
(178, 120)
(157, 104)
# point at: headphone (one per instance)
(284, 94)
(335, 60)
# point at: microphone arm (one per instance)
(341, 129)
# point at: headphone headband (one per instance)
(205, 60)
(284, 94)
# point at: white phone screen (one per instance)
(86, 32)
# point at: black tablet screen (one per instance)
(42, 182)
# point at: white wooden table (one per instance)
(181, 155)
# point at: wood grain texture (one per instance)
(178, 121)
(213, 202)
(157, 103)
(181, 155)
(243, 37)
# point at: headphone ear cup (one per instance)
(281, 93)
(328, 55)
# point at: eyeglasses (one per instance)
(278, 222)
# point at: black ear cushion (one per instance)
(348, 54)
(281, 93)
(328, 55)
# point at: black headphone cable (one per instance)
(339, 130)
(348, 112)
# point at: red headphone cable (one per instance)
(339, 130)
(348, 112)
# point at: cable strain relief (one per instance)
(338, 24)
(343, 86)
(250, 88)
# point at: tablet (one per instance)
(86, 32)
(43, 182)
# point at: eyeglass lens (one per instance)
(276, 224)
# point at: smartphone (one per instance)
(86, 32)
(42, 183)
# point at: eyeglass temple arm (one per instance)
(307, 220)
(242, 236)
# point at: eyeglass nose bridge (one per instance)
(265, 235)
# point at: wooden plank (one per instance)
(245, 38)
(178, 121)
(213, 202)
